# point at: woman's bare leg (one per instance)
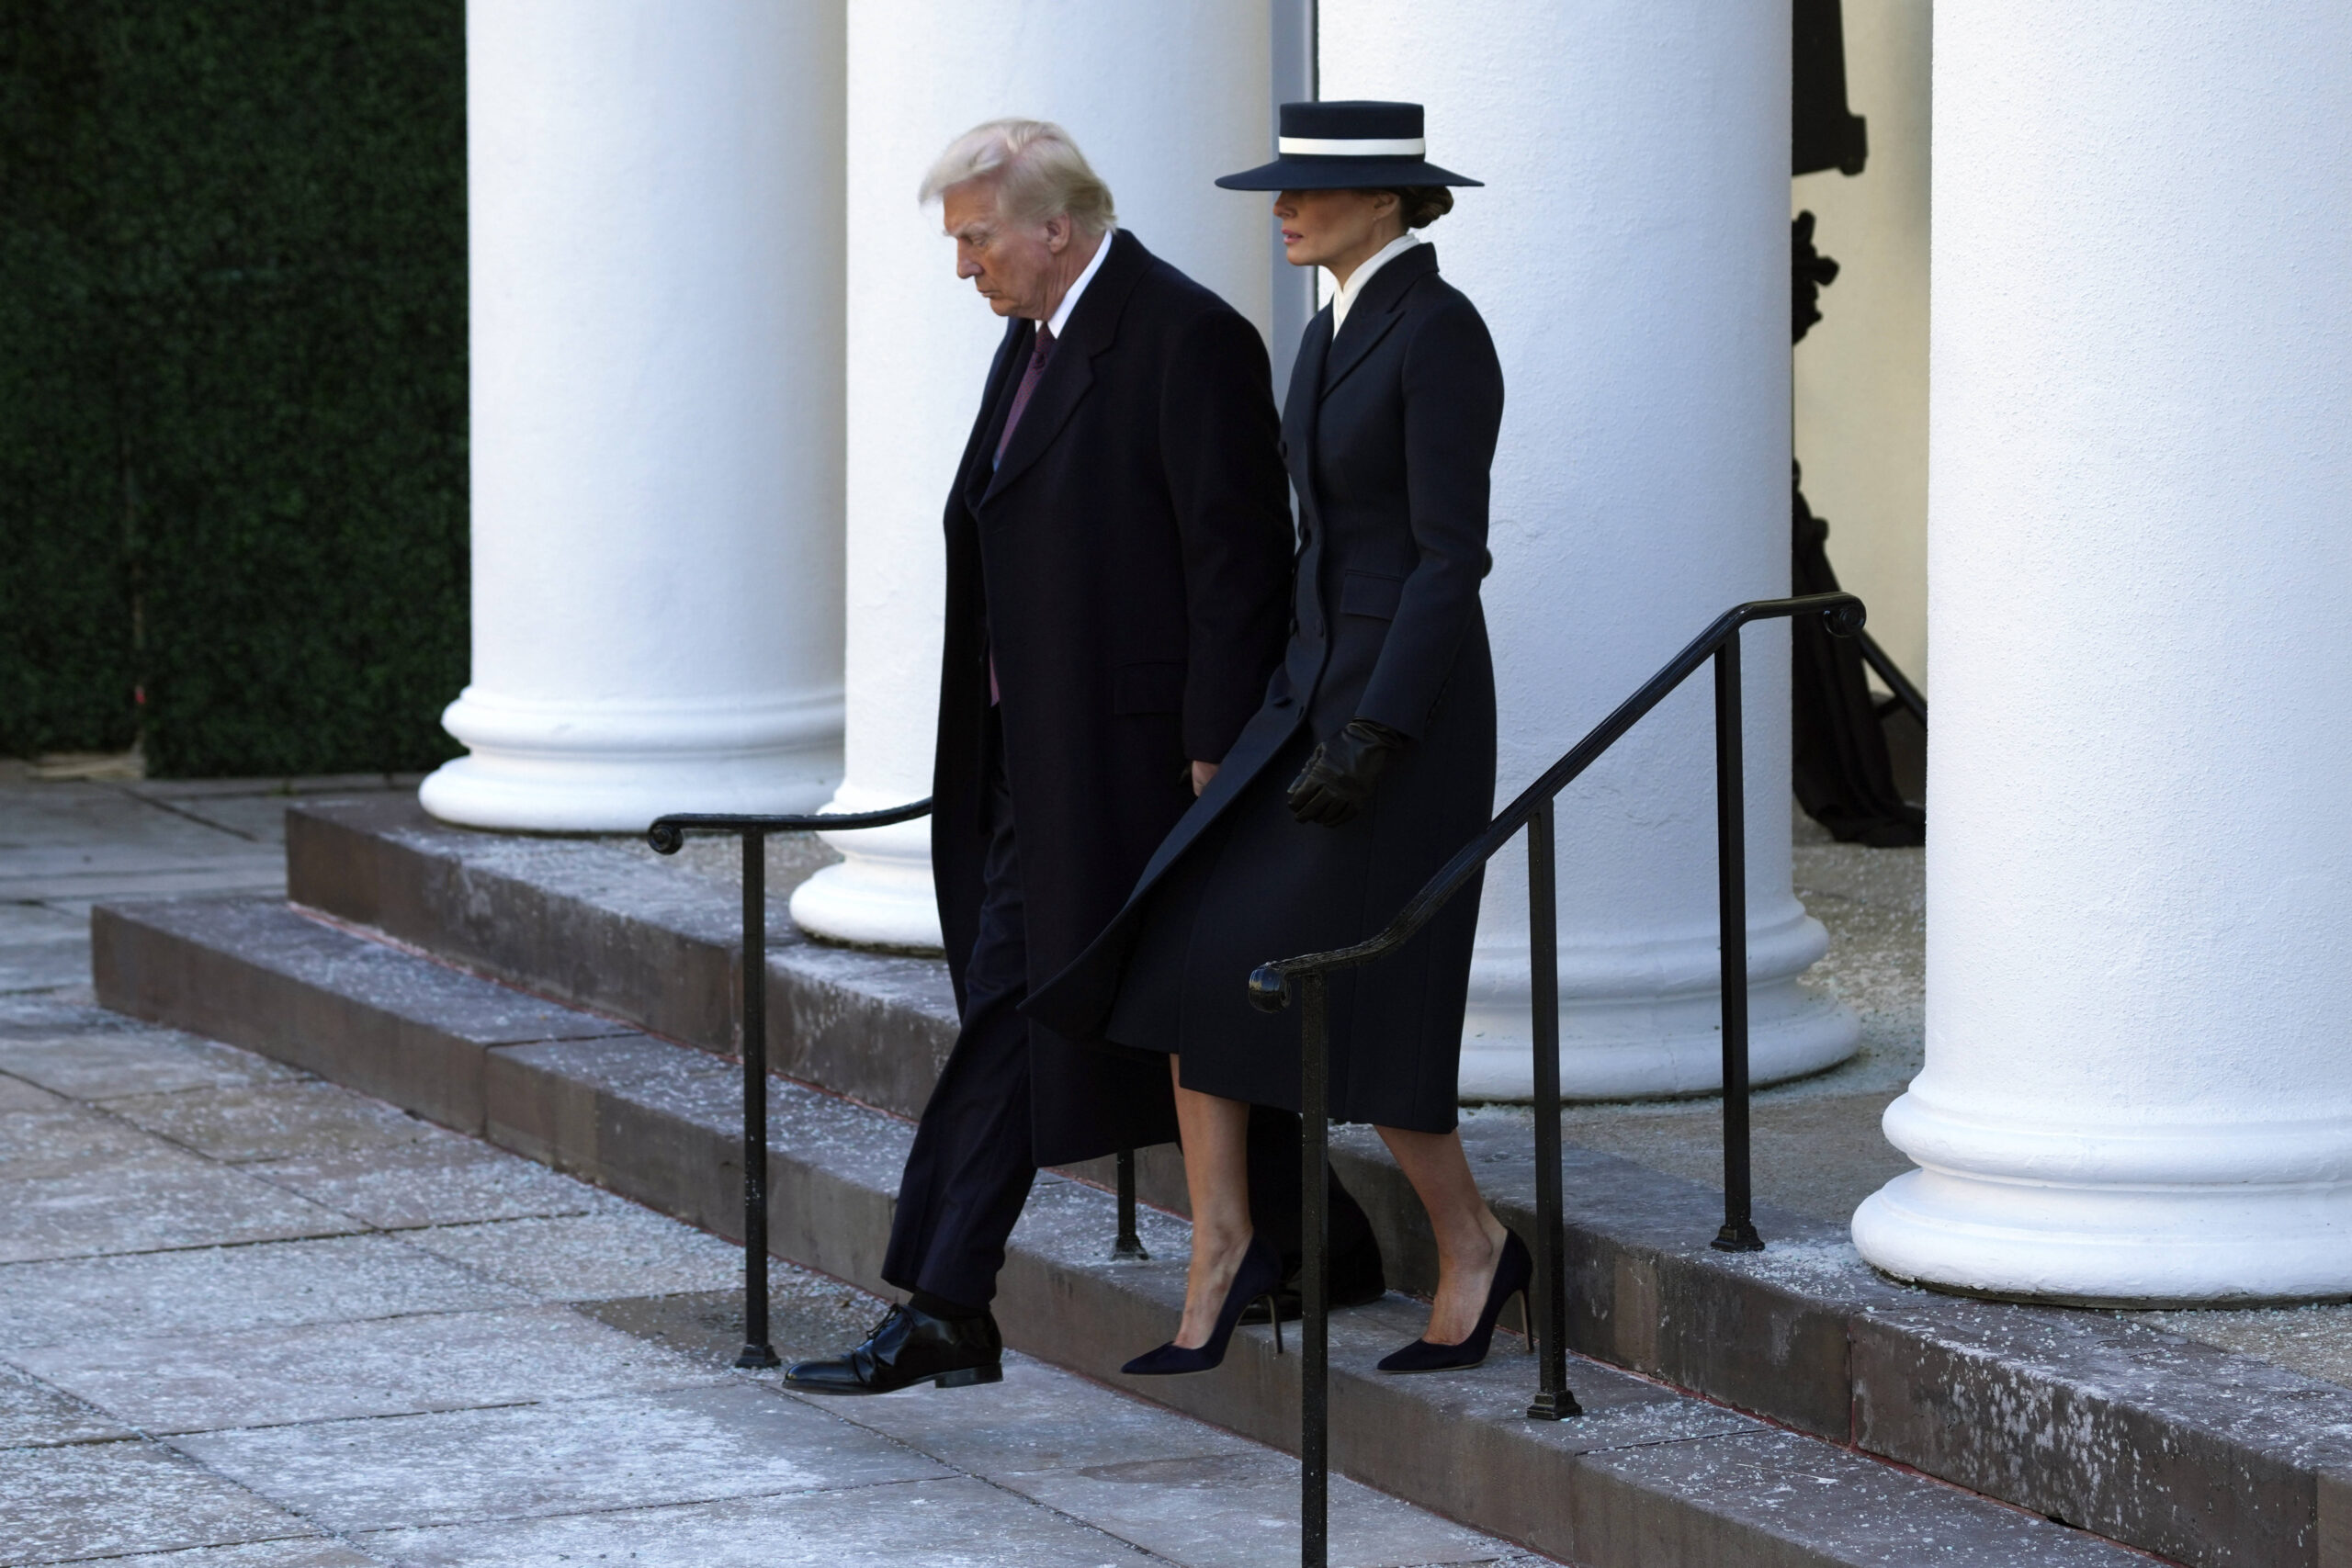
(1217, 1173)
(1469, 1237)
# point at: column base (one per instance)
(613, 767)
(2194, 1216)
(881, 893)
(1657, 1049)
(1643, 1020)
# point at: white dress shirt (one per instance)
(1363, 275)
(1060, 317)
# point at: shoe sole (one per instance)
(968, 1377)
(964, 1378)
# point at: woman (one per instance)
(1371, 763)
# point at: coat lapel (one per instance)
(1305, 394)
(996, 393)
(1375, 311)
(1093, 328)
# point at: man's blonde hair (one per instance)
(1037, 170)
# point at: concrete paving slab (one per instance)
(181, 791)
(33, 1415)
(67, 1139)
(808, 1315)
(147, 1202)
(275, 1121)
(441, 1179)
(1040, 1417)
(257, 818)
(697, 1445)
(108, 1500)
(958, 1523)
(39, 922)
(262, 1554)
(257, 871)
(2313, 1340)
(622, 1252)
(15, 1094)
(1240, 1510)
(219, 1290)
(44, 965)
(400, 1366)
(112, 1060)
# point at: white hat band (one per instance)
(1351, 147)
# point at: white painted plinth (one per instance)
(1161, 99)
(655, 264)
(1630, 253)
(2139, 1076)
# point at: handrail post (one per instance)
(1128, 1248)
(1548, 1323)
(1738, 1232)
(1315, 1277)
(756, 1351)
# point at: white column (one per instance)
(1630, 252)
(654, 199)
(2139, 1079)
(1161, 99)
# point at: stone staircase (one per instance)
(575, 1001)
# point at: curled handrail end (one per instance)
(1846, 619)
(666, 837)
(1268, 989)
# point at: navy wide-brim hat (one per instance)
(1350, 144)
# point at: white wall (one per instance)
(1862, 372)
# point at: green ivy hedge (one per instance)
(233, 380)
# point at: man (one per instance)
(1118, 571)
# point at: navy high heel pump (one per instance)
(1514, 1270)
(1260, 1276)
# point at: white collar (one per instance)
(1060, 317)
(1363, 275)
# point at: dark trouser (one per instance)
(971, 1167)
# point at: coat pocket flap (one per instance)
(1369, 593)
(1150, 685)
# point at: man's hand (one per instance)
(1202, 773)
(1338, 780)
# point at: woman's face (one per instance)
(1337, 229)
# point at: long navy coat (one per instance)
(1389, 431)
(1128, 561)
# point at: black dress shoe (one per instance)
(907, 1347)
(1356, 1281)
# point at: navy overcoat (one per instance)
(1128, 561)
(1389, 432)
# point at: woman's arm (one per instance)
(1453, 409)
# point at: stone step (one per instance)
(1650, 1475)
(2178, 1448)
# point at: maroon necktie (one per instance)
(1038, 357)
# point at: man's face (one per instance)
(1011, 263)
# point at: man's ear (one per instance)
(1058, 232)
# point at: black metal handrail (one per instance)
(1270, 989)
(668, 835)
(1906, 695)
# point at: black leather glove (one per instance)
(1338, 778)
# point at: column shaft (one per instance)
(1630, 253)
(655, 274)
(1161, 99)
(2139, 1076)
